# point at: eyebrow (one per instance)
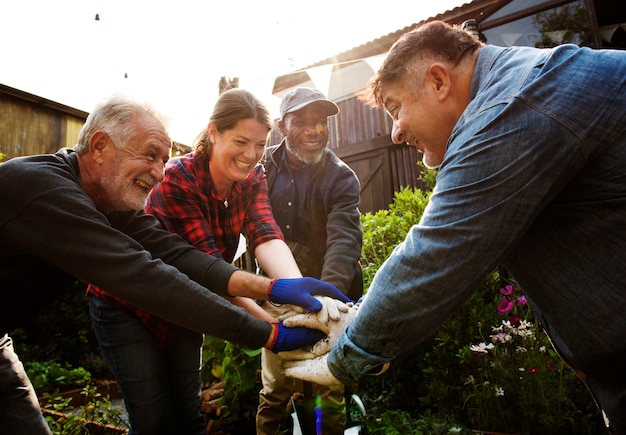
(389, 100)
(156, 148)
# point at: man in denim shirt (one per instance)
(531, 150)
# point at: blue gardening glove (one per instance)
(293, 338)
(300, 291)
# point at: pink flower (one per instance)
(505, 306)
(521, 300)
(507, 290)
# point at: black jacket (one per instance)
(332, 201)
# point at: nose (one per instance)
(251, 151)
(157, 171)
(398, 136)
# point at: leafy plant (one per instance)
(397, 422)
(385, 229)
(97, 416)
(515, 379)
(62, 332)
(50, 376)
(238, 367)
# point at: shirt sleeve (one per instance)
(344, 236)
(489, 190)
(259, 223)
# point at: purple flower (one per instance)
(507, 290)
(505, 306)
(521, 300)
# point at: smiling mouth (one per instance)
(242, 165)
(144, 184)
(311, 144)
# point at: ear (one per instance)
(97, 144)
(439, 76)
(212, 129)
(281, 127)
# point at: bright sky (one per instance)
(174, 52)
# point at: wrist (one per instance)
(271, 341)
(270, 287)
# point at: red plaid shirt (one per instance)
(186, 203)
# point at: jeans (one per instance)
(161, 387)
(19, 407)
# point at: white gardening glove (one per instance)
(312, 370)
(331, 311)
(309, 320)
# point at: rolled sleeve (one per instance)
(348, 362)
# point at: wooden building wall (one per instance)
(382, 168)
(32, 125)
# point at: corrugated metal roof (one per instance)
(477, 9)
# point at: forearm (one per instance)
(249, 285)
(276, 259)
(251, 307)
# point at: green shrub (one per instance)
(51, 376)
(62, 331)
(397, 422)
(239, 368)
(97, 416)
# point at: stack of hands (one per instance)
(309, 364)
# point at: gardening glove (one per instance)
(286, 339)
(312, 370)
(300, 291)
(331, 311)
(311, 320)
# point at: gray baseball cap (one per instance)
(298, 98)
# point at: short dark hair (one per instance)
(436, 40)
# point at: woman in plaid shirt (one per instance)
(209, 197)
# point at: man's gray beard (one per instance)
(118, 190)
(298, 155)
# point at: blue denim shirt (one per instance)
(534, 178)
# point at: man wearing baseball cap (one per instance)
(315, 198)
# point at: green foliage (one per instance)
(515, 381)
(50, 376)
(239, 368)
(398, 422)
(551, 25)
(62, 331)
(385, 229)
(97, 416)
